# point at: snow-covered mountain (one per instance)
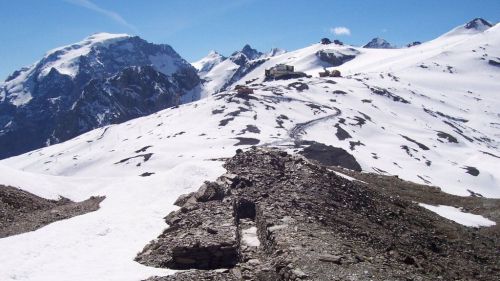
(378, 43)
(101, 80)
(207, 63)
(274, 52)
(220, 73)
(427, 114)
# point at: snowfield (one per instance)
(429, 114)
(459, 216)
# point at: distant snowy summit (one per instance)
(378, 43)
(207, 63)
(219, 72)
(478, 24)
(104, 79)
(274, 52)
(475, 26)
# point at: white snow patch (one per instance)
(249, 237)
(458, 216)
(67, 58)
(345, 176)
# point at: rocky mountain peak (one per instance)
(214, 54)
(378, 43)
(65, 73)
(247, 51)
(478, 24)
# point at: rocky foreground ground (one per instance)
(21, 211)
(274, 216)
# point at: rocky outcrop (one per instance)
(285, 218)
(21, 211)
(335, 57)
(413, 44)
(330, 156)
(201, 236)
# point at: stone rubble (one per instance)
(311, 225)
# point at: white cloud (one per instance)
(108, 13)
(340, 30)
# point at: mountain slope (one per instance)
(428, 114)
(36, 102)
(206, 64)
(220, 73)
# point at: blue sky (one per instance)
(29, 28)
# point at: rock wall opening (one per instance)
(245, 209)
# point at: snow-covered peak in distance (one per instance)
(477, 25)
(378, 43)
(246, 54)
(65, 59)
(274, 52)
(207, 63)
(100, 74)
(250, 52)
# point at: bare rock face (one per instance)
(284, 218)
(336, 58)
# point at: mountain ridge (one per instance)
(38, 101)
(425, 115)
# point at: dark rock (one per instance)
(188, 244)
(183, 199)
(209, 191)
(378, 43)
(478, 23)
(299, 86)
(197, 275)
(330, 156)
(420, 145)
(386, 93)
(472, 171)
(247, 141)
(413, 44)
(325, 41)
(494, 63)
(336, 58)
(341, 133)
(447, 136)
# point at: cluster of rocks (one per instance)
(335, 57)
(274, 216)
(21, 211)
